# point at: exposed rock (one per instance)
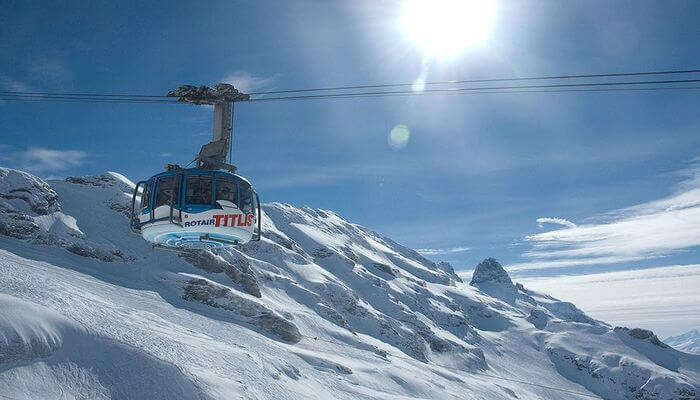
(272, 322)
(642, 334)
(124, 209)
(324, 364)
(386, 269)
(108, 179)
(84, 249)
(25, 193)
(219, 296)
(326, 253)
(16, 225)
(239, 271)
(490, 277)
(447, 267)
(347, 251)
(538, 318)
(322, 252)
(282, 241)
(490, 271)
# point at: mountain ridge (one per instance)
(319, 308)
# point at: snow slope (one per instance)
(320, 308)
(688, 342)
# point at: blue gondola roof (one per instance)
(199, 171)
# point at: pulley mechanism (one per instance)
(215, 154)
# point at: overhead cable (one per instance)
(128, 96)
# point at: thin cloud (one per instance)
(542, 263)
(650, 230)
(51, 72)
(13, 85)
(622, 297)
(246, 82)
(432, 252)
(39, 159)
(556, 221)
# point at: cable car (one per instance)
(206, 206)
(196, 208)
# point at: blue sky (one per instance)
(478, 170)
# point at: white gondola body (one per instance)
(210, 228)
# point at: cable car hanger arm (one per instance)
(215, 154)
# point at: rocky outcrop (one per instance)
(219, 296)
(538, 318)
(449, 269)
(490, 277)
(25, 193)
(642, 334)
(22, 198)
(239, 270)
(108, 179)
(490, 271)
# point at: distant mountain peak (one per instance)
(688, 342)
(490, 271)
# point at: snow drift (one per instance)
(320, 308)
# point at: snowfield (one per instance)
(319, 309)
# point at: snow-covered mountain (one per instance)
(688, 342)
(320, 308)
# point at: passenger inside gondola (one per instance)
(198, 189)
(167, 191)
(246, 199)
(226, 191)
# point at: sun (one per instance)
(445, 28)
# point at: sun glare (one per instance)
(445, 28)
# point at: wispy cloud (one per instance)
(556, 221)
(622, 297)
(13, 85)
(543, 263)
(248, 82)
(432, 252)
(645, 231)
(53, 70)
(40, 160)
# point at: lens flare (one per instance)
(399, 136)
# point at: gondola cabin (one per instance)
(196, 208)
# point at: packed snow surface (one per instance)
(320, 308)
